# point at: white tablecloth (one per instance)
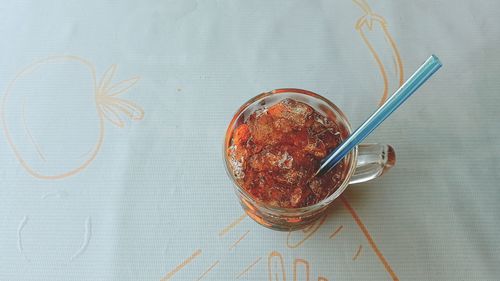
(113, 116)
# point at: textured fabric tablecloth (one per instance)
(113, 115)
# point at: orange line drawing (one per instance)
(336, 231)
(85, 153)
(232, 225)
(111, 106)
(308, 228)
(108, 107)
(248, 268)
(365, 25)
(208, 270)
(239, 240)
(295, 265)
(182, 265)
(357, 253)
(276, 259)
(369, 238)
(307, 234)
(26, 128)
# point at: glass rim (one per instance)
(283, 211)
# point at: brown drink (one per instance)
(276, 150)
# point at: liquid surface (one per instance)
(274, 153)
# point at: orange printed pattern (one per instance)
(276, 267)
(277, 271)
(248, 268)
(208, 270)
(305, 263)
(356, 255)
(239, 240)
(336, 231)
(369, 238)
(295, 239)
(109, 107)
(28, 132)
(181, 266)
(232, 225)
(366, 27)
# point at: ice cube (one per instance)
(296, 196)
(290, 177)
(285, 161)
(266, 160)
(283, 125)
(241, 134)
(316, 147)
(236, 162)
(316, 186)
(262, 130)
(295, 111)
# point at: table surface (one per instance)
(113, 115)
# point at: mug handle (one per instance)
(373, 160)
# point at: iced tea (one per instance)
(275, 151)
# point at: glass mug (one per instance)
(363, 163)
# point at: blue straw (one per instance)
(431, 65)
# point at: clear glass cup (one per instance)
(364, 163)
